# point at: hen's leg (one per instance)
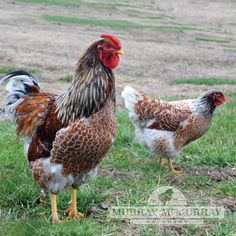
(72, 211)
(55, 217)
(172, 169)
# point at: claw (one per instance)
(172, 169)
(177, 172)
(56, 220)
(73, 214)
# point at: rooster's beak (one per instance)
(120, 52)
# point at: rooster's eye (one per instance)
(107, 46)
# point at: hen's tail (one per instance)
(19, 84)
(130, 96)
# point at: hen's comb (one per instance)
(112, 38)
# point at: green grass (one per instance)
(117, 24)
(92, 21)
(231, 94)
(143, 16)
(7, 69)
(213, 39)
(232, 50)
(66, 78)
(107, 5)
(69, 3)
(128, 175)
(226, 189)
(205, 81)
(78, 3)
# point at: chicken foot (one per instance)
(172, 169)
(72, 212)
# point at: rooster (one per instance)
(166, 127)
(66, 136)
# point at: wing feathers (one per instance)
(162, 115)
(154, 113)
(31, 113)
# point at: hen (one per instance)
(166, 127)
(66, 136)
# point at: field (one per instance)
(172, 50)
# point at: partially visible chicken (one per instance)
(166, 127)
(66, 136)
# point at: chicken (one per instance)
(166, 127)
(66, 136)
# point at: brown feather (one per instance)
(92, 85)
(165, 116)
(81, 145)
(36, 117)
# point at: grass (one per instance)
(232, 50)
(7, 69)
(66, 78)
(228, 189)
(107, 5)
(117, 24)
(205, 81)
(213, 39)
(92, 21)
(128, 175)
(78, 3)
(231, 94)
(143, 16)
(69, 3)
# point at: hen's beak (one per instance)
(120, 52)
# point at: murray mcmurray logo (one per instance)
(166, 206)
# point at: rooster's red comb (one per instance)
(112, 38)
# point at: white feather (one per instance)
(58, 180)
(130, 97)
(15, 87)
(148, 138)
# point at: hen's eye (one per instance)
(107, 46)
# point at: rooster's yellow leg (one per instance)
(172, 169)
(55, 217)
(161, 161)
(72, 211)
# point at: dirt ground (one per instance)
(152, 58)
